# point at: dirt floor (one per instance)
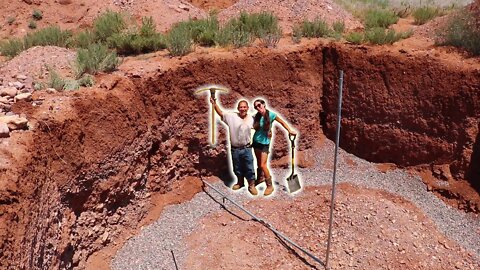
(99, 163)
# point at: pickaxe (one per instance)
(213, 89)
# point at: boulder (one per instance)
(4, 130)
(23, 96)
(14, 122)
(8, 91)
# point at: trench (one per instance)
(94, 165)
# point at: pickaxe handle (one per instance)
(212, 95)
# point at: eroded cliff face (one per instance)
(93, 164)
(404, 109)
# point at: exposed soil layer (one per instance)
(95, 157)
(386, 233)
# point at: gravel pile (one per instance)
(152, 248)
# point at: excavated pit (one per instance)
(94, 159)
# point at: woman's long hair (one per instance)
(266, 120)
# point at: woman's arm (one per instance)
(217, 108)
(290, 131)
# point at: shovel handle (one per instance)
(292, 139)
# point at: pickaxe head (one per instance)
(213, 88)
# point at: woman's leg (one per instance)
(263, 164)
(258, 157)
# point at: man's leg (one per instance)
(249, 171)
(237, 170)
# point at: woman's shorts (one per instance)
(265, 148)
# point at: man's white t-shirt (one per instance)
(239, 129)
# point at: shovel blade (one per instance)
(293, 183)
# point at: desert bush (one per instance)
(144, 40)
(55, 80)
(460, 31)
(70, 84)
(51, 35)
(12, 47)
(179, 39)
(108, 24)
(86, 80)
(95, 58)
(380, 36)
(314, 29)
(338, 27)
(354, 37)
(425, 14)
(297, 33)
(32, 25)
(270, 40)
(379, 18)
(133, 43)
(84, 39)
(204, 32)
(257, 24)
(37, 15)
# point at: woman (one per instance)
(262, 124)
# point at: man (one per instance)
(240, 125)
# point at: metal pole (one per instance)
(267, 225)
(337, 139)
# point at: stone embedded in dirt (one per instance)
(4, 130)
(51, 90)
(14, 122)
(8, 91)
(23, 96)
(21, 77)
(64, 2)
(18, 85)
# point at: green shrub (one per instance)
(84, 39)
(257, 24)
(380, 36)
(379, 18)
(12, 47)
(204, 32)
(71, 84)
(55, 80)
(51, 35)
(425, 14)
(108, 24)
(32, 25)
(179, 39)
(86, 80)
(132, 43)
(338, 27)
(355, 37)
(315, 29)
(95, 58)
(460, 31)
(148, 28)
(270, 40)
(37, 15)
(297, 33)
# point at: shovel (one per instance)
(292, 180)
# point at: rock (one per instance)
(64, 2)
(8, 91)
(14, 122)
(184, 7)
(18, 85)
(4, 130)
(4, 100)
(51, 90)
(5, 107)
(24, 96)
(21, 77)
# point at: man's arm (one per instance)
(217, 108)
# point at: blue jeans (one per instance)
(243, 163)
